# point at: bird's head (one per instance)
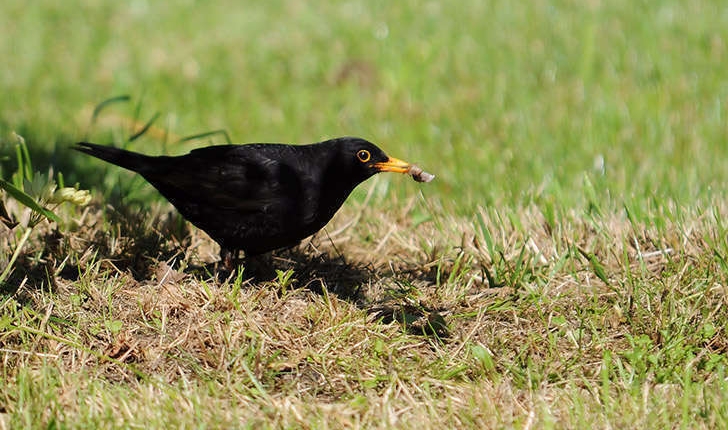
(365, 159)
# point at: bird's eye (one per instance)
(363, 155)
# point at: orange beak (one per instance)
(393, 165)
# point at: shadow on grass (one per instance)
(315, 271)
(322, 274)
(318, 270)
(416, 319)
(348, 281)
(45, 155)
(131, 246)
(126, 240)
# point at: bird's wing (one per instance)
(231, 179)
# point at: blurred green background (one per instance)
(506, 102)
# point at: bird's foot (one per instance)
(259, 267)
(227, 265)
(254, 267)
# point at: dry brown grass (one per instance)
(383, 322)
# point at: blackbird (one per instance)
(262, 196)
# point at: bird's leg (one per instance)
(260, 267)
(227, 258)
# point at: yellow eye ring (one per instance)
(363, 155)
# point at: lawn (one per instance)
(567, 268)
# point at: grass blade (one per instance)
(104, 104)
(144, 129)
(207, 134)
(27, 200)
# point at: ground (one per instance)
(566, 268)
(527, 325)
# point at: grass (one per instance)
(567, 268)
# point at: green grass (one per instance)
(574, 242)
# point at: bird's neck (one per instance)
(336, 185)
(333, 184)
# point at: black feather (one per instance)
(255, 197)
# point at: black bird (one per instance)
(259, 197)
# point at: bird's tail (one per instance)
(120, 157)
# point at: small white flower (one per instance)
(71, 195)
